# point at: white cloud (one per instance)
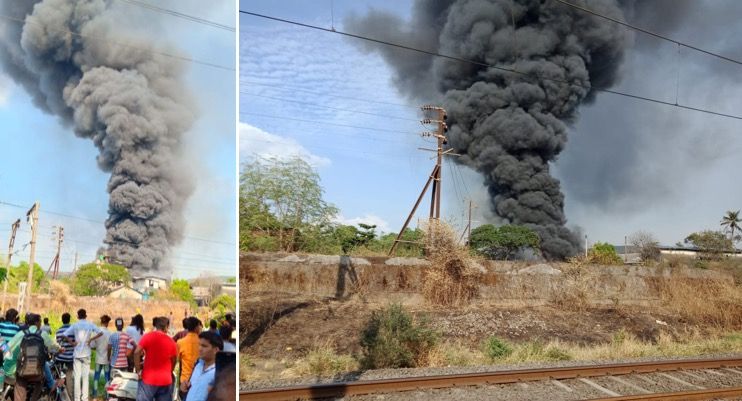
(256, 142)
(368, 218)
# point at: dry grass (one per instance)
(323, 361)
(61, 296)
(448, 354)
(713, 303)
(452, 277)
(578, 285)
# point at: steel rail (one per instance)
(708, 394)
(331, 390)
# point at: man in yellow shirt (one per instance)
(188, 351)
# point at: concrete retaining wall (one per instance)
(504, 283)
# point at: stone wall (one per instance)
(503, 283)
(47, 305)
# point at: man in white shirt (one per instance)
(101, 354)
(80, 335)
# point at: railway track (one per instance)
(689, 380)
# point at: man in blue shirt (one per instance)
(202, 378)
(9, 327)
(65, 358)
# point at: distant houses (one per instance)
(126, 292)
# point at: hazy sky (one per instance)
(628, 165)
(42, 160)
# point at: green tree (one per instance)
(20, 273)
(349, 237)
(731, 221)
(281, 205)
(91, 280)
(221, 305)
(604, 253)
(710, 244)
(503, 242)
(182, 289)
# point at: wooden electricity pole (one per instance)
(11, 243)
(54, 267)
(435, 175)
(33, 218)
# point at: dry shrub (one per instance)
(710, 302)
(323, 361)
(60, 295)
(577, 286)
(452, 278)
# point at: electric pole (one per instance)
(11, 243)
(33, 218)
(54, 267)
(467, 229)
(435, 175)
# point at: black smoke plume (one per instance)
(508, 126)
(114, 90)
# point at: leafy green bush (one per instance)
(503, 242)
(495, 348)
(603, 253)
(392, 339)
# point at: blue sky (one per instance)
(42, 160)
(628, 165)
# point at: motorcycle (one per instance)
(123, 386)
(59, 393)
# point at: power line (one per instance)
(504, 69)
(326, 123)
(101, 222)
(648, 32)
(345, 150)
(329, 107)
(179, 15)
(97, 39)
(355, 136)
(297, 89)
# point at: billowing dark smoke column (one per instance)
(129, 101)
(508, 126)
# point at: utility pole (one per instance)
(74, 267)
(625, 250)
(585, 245)
(11, 243)
(435, 175)
(440, 135)
(54, 266)
(33, 218)
(467, 229)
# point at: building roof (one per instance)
(125, 286)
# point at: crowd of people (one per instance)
(161, 358)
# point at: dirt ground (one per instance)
(286, 326)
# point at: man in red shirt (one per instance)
(156, 378)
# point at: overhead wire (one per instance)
(297, 89)
(499, 68)
(648, 32)
(329, 107)
(178, 14)
(122, 44)
(102, 222)
(326, 123)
